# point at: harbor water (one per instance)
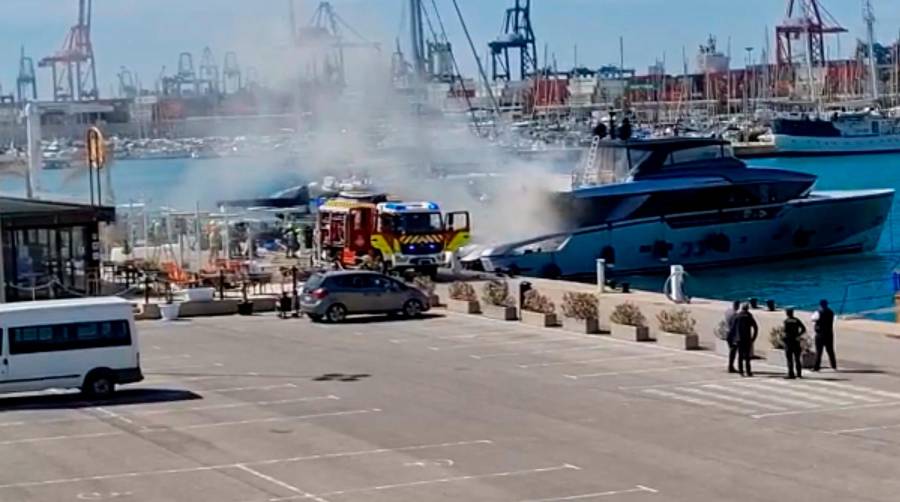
(860, 284)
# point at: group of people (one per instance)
(743, 330)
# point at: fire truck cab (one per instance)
(417, 235)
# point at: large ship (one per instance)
(840, 133)
(689, 201)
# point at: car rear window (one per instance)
(314, 282)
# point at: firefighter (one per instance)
(746, 331)
(793, 332)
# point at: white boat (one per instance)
(839, 133)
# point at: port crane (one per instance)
(26, 80)
(806, 22)
(323, 43)
(518, 35)
(73, 68)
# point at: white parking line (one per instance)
(636, 489)
(865, 429)
(252, 387)
(142, 413)
(278, 482)
(257, 463)
(827, 409)
(426, 482)
(114, 415)
(152, 430)
(592, 361)
(538, 352)
(165, 358)
(641, 371)
(495, 344)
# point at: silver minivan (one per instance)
(333, 296)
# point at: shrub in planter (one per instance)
(463, 298)
(463, 291)
(678, 329)
(581, 312)
(629, 323)
(427, 286)
(496, 293)
(721, 333)
(498, 303)
(538, 309)
(777, 356)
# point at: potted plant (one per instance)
(498, 303)
(463, 298)
(776, 355)
(169, 310)
(677, 329)
(538, 310)
(200, 294)
(246, 306)
(427, 286)
(628, 323)
(581, 313)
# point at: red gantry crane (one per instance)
(74, 73)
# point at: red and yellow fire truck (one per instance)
(356, 229)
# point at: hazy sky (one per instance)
(144, 35)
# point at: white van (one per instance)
(88, 343)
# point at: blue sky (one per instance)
(147, 34)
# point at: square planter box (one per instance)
(499, 313)
(463, 307)
(776, 357)
(583, 326)
(539, 320)
(676, 341)
(630, 333)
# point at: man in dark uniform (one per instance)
(746, 330)
(731, 336)
(793, 331)
(824, 319)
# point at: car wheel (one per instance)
(336, 313)
(412, 308)
(99, 384)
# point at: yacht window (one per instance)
(695, 154)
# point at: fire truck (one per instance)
(357, 229)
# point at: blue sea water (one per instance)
(854, 283)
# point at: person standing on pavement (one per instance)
(824, 319)
(746, 331)
(793, 332)
(731, 334)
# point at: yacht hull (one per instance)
(788, 145)
(822, 223)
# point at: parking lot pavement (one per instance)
(447, 408)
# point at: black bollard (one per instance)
(754, 303)
(626, 287)
(221, 284)
(770, 305)
(296, 303)
(524, 287)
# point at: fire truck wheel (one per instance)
(336, 313)
(412, 308)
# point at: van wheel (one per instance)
(336, 313)
(412, 309)
(99, 384)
